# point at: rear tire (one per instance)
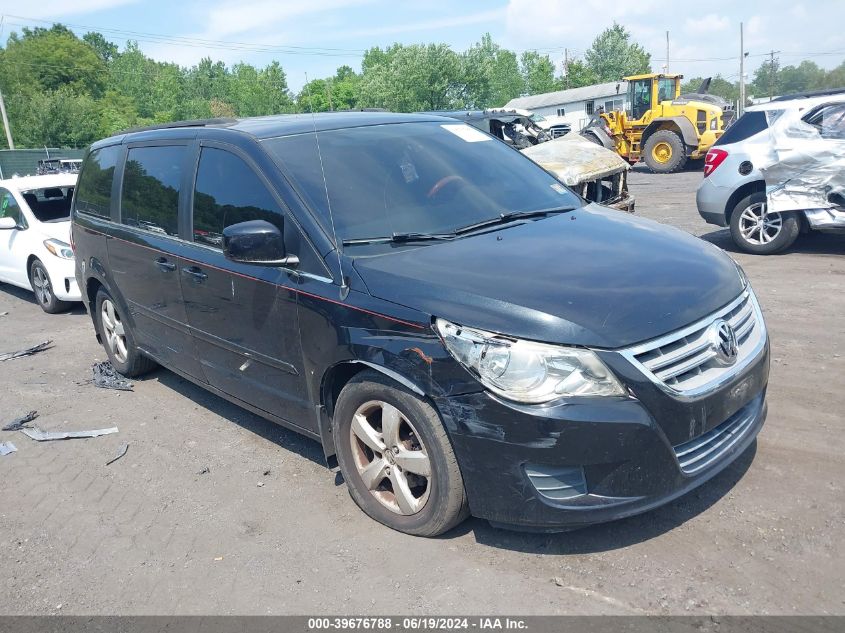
(664, 152)
(403, 439)
(117, 338)
(42, 286)
(755, 231)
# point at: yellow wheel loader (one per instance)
(660, 125)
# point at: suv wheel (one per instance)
(117, 338)
(664, 152)
(756, 231)
(43, 288)
(396, 458)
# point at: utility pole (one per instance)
(666, 65)
(741, 105)
(6, 122)
(772, 74)
(566, 68)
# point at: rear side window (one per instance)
(94, 188)
(746, 126)
(829, 120)
(151, 182)
(228, 191)
(9, 208)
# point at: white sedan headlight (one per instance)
(58, 248)
(525, 371)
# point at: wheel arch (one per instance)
(335, 379)
(677, 124)
(747, 189)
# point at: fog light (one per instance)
(557, 482)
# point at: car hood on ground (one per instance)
(593, 277)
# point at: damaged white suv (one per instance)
(778, 171)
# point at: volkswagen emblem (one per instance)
(723, 342)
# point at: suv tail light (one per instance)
(714, 158)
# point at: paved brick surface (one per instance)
(149, 535)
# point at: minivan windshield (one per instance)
(420, 178)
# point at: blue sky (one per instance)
(316, 36)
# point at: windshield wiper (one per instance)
(504, 218)
(400, 238)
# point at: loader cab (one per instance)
(646, 92)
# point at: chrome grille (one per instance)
(687, 361)
(699, 453)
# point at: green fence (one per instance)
(23, 162)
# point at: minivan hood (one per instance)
(593, 277)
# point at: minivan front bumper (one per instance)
(591, 460)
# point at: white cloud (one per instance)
(441, 23)
(51, 9)
(710, 23)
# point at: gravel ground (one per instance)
(216, 511)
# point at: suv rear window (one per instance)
(151, 182)
(747, 125)
(94, 188)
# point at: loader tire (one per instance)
(664, 152)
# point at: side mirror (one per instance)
(8, 224)
(256, 242)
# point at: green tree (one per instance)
(614, 55)
(58, 118)
(105, 49)
(718, 86)
(411, 78)
(577, 74)
(490, 74)
(44, 60)
(538, 73)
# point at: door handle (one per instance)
(164, 265)
(196, 273)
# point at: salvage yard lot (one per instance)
(215, 511)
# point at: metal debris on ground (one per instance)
(18, 423)
(45, 436)
(27, 352)
(107, 377)
(7, 447)
(120, 453)
(3, 313)
(204, 471)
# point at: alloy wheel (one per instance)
(390, 457)
(41, 285)
(759, 227)
(114, 331)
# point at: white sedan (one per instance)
(35, 251)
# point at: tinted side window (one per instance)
(228, 191)
(746, 126)
(9, 208)
(151, 180)
(94, 188)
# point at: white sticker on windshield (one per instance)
(559, 188)
(466, 132)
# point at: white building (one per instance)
(577, 105)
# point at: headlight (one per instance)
(59, 249)
(526, 371)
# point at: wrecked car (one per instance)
(456, 327)
(777, 172)
(597, 174)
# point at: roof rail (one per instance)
(811, 93)
(178, 124)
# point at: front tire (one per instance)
(39, 278)
(756, 231)
(396, 458)
(664, 152)
(117, 338)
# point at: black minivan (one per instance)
(464, 333)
